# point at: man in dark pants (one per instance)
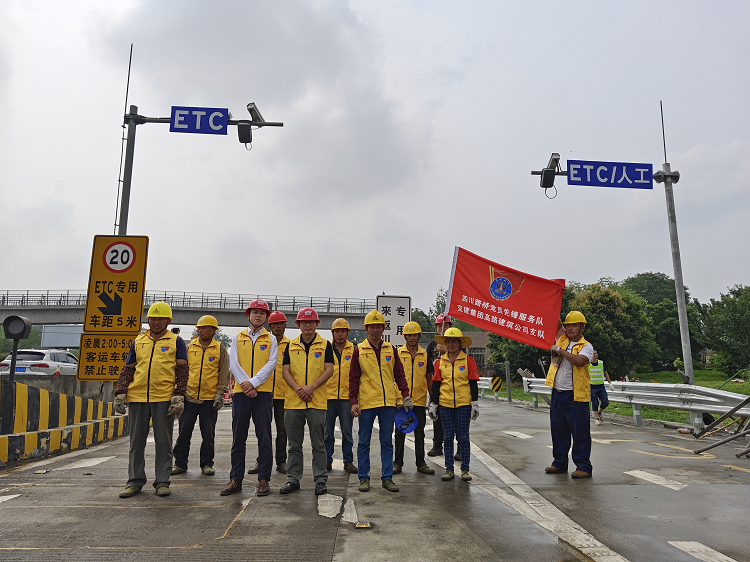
(568, 376)
(209, 375)
(434, 351)
(253, 361)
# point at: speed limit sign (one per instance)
(114, 301)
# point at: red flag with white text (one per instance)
(505, 301)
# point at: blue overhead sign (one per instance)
(205, 120)
(610, 174)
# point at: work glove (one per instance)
(408, 404)
(555, 349)
(474, 410)
(119, 404)
(432, 410)
(176, 406)
(218, 401)
(611, 387)
(556, 358)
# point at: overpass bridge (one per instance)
(67, 307)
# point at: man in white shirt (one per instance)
(568, 376)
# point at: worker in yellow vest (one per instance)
(153, 382)
(418, 372)
(372, 394)
(455, 389)
(277, 326)
(209, 375)
(338, 397)
(252, 359)
(599, 399)
(308, 364)
(568, 376)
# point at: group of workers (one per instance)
(304, 381)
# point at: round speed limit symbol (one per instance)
(119, 257)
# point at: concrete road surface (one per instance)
(650, 498)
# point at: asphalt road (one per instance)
(650, 498)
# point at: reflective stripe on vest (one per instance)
(415, 369)
(376, 384)
(155, 363)
(338, 384)
(454, 388)
(254, 356)
(306, 368)
(596, 373)
(204, 370)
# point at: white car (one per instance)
(42, 362)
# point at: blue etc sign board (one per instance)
(610, 174)
(204, 120)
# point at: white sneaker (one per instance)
(598, 421)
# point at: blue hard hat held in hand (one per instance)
(405, 421)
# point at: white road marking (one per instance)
(329, 505)
(6, 498)
(701, 551)
(62, 457)
(150, 439)
(350, 512)
(532, 505)
(655, 479)
(85, 463)
(338, 464)
(518, 434)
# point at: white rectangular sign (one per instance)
(397, 312)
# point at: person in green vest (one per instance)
(599, 399)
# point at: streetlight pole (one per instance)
(132, 119)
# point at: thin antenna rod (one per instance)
(122, 142)
(663, 136)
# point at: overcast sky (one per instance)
(410, 127)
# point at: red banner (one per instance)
(505, 301)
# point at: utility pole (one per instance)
(132, 120)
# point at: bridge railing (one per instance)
(181, 299)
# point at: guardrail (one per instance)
(184, 299)
(674, 396)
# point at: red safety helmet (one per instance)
(307, 313)
(260, 305)
(276, 316)
(443, 318)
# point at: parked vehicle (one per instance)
(42, 362)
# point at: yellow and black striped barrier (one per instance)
(497, 384)
(35, 422)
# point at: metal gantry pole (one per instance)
(128, 171)
(696, 420)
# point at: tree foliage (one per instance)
(439, 308)
(727, 329)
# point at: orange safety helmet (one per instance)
(276, 316)
(307, 314)
(443, 318)
(260, 305)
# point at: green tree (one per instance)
(652, 287)
(665, 324)
(423, 319)
(439, 308)
(34, 341)
(727, 329)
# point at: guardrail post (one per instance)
(507, 380)
(535, 400)
(637, 415)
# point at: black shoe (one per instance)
(290, 487)
(435, 451)
(321, 488)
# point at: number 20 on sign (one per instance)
(114, 301)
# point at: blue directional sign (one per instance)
(610, 174)
(204, 120)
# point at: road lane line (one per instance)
(736, 467)
(10, 497)
(85, 463)
(655, 479)
(329, 505)
(62, 457)
(701, 551)
(518, 434)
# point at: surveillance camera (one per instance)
(254, 113)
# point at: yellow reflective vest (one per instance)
(155, 363)
(377, 385)
(253, 357)
(305, 369)
(454, 388)
(338, 384)
(279, 384)
(204, 370)
(415, 370)
(581, 381)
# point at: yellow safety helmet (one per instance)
(374, 317)
(464, 341)
(159, 310)
(340, 324)
(207, 320)
(575, 317)
(412, 328)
